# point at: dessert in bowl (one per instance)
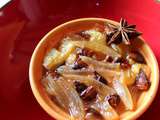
(94, 68)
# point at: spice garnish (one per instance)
(113, 100)
(89, 93)
(122, 33)
(142, 82)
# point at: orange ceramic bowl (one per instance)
(51, 39)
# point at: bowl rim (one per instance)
(50, 110)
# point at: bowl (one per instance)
(54, 36)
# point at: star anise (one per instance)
(121, 33)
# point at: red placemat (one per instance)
(24, 22)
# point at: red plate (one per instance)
(24, 22)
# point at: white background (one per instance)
(3, 2)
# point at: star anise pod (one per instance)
(121, 33)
